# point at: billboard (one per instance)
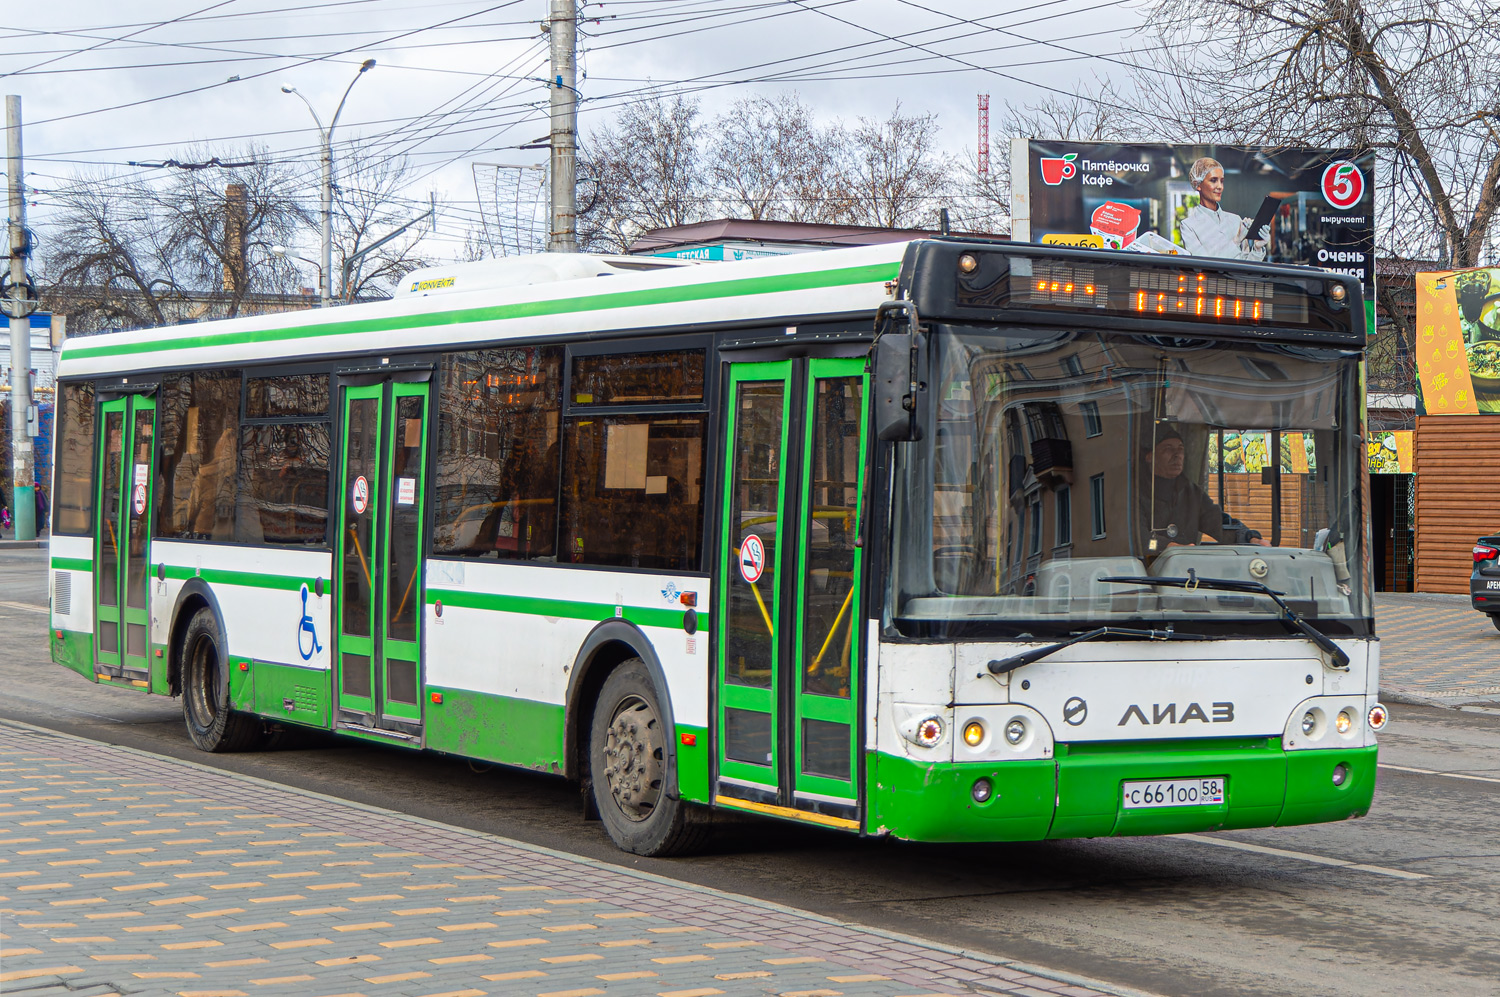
(1309, 206)
(1458, 342)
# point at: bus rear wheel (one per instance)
(627, 768)
(211, 725)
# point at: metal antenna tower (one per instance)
(984, 136)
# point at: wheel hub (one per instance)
(633, 758)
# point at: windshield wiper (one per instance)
(1288, 616)
(1003, 665)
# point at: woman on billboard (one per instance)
(1208, 230)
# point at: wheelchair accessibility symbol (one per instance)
(307, 634)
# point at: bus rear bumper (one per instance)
(1079, 794)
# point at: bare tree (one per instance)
(368, 206)
(895, 179)
(1417, 79)
(771, 160)
(648, 171)
(125, 254)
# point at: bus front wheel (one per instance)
(211, 725)
(627, 768)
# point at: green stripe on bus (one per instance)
(872, 273)
(563, 608)
(251, 579)
(72, 564)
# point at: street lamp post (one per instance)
(325, 278)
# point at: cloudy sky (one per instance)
(105, 83)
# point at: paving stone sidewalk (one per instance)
(1436, 647)
(123, 872)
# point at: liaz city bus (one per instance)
(944, 540)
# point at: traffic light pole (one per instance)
(19, 306)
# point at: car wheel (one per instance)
(628, 772)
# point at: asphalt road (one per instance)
(1404, 901)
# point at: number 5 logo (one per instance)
(1343, 184)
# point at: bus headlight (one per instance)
(973, 733)
(1309, 721)
(982, 791)
(1340, 774)
(1343, 722)
(1015, 731)
(1378, 716)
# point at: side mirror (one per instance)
(898, 389)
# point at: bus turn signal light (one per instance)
(691, 740)
(973, 733)
(437, 699)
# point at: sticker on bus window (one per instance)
(142, 475)
(752, 558)
(406, 491)
(359, 495)
(139, 499)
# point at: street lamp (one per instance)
(324, 274)
(284, 253)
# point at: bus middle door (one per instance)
(788, 659)
(378, 557)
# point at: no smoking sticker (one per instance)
(752, 559)
(138, 499)
(359, 495)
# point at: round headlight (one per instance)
(1378, 716)
(1343, 722)
(982, 790)
(930, 731)
(968, 263)
(1340, 774)
(973, 733)
(1309, 721)
(1015, 731)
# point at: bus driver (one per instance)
(1179, 511)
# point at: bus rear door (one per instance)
(122, 540)
(789, 655)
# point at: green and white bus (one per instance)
(946, 540)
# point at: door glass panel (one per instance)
(403, 590)
(401, 681)
(109, 513)
(832, 505)
(136, 516)
(825, 748)
(747, 736)
(356, 672)
(755, 501)
(363, 428)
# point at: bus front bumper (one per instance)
(1079, 793)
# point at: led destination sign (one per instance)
(1160, 293)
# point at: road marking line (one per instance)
(1450, 775)
(1246, 846)
(27, 606)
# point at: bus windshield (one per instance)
(1056, 460)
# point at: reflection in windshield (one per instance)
(1058, 458)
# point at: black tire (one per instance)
(211, 725)
(627, 768)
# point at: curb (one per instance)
(1404, 697)
(1071, 979)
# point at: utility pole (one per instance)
(563, 26)
(20, 303)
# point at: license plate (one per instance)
(1174, 793)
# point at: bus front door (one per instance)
(789, 654)
(122, 540)
(378, 667)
